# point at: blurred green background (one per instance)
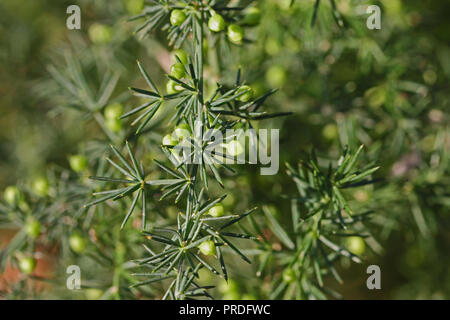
(387, 89)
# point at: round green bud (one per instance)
(77, 243)
(330, 131)
(276, 76)
(182, 132)
(168, 140)
(93, 294)
(115, 125)
(208, 248)
(33, 228)
(99, 33)
(113, 111)
(78, 162)
(356, 245)
(376, 96)
(235, 33)
(172, 87)
(252, 16)
(230, 286)
(40, 186)
(216, 23)
(177, 70)
(248, 93)
(234, 148)
(134, 6)
(27, 265)
(177, 17)
(231, 296)
(12, 195)
(216, 211)
(288, 275)
(272, 46)
(181, 54)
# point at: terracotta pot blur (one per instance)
(45, 262)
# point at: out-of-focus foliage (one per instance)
(345, 84)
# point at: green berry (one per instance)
(272, 46)
(40, 186)
(78, 162)
(12, 195)
(356, 245)
(134, 6)
(112, 114)
(230, 290)
(252, 16)
(330, 131)
(208, 248)
(33, 228)
(230, 286)
(113, 111)
(177, 70)
(288, 276)
(168, 140)
(235, 33)
(216, 211)
(216, 23)
(93, 294)
(172, 87)
(376, 96)
(234, 148)
(177, 17)
(276, 76)
(27, 265)
(99, 33)
(115, 125)
(248, 93)
(182, 132)
(77, 243)
(181, 54)
(231, 296)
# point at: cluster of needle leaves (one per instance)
(180, 259)
(321, 219)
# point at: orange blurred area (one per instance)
(45, 261)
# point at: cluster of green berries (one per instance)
(208, 247)
(216, 23)
(177, 70)
(235, 33)
(180, 133)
